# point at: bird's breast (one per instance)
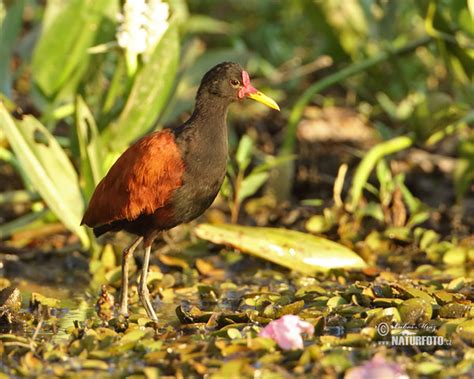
(203, 146)
(202, 181)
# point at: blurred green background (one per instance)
(73, 100)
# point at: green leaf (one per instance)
(464, 171)
(25, 222)
(429, 368)
(243, 155)
(9, 30)
(251, 184)
(297, 251)
(456, 256)
(384, 176)
(133, 336)
(312, 202)
(414, 204)
(179, 12)
(47, 301)
(367, 165)
(199, 23)
(418, 218)
(116, 88)
(69, 28)
(272, 162)
(372, 209)
(90, 148)
(318, 224)
(149, 95)
(234, 333)
(470, 6)
(48, 168)
(8, 157)
(77, 313)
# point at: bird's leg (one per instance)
(127, 253)
(143, 292)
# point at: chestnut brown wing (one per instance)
(140, 181)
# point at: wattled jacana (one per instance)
(172, 176)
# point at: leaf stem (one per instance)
(234, 213)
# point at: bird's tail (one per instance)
(102, 229)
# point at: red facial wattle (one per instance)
(247, 88)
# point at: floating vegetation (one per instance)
(212, 325)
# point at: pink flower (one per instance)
(377, 368)
(286, 331)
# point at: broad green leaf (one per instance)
(149, 95)
(70, 27)
(9, 29)
(90, 148)
(251, 184)
(297, 251)
(48, 168)
(470, 6)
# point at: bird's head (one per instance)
(230, 81)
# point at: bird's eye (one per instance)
(234, 83)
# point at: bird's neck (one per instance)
(209, 120)
(210, 110)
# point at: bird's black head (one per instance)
(231, 82)
(223, 80)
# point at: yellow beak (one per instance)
(264, 99)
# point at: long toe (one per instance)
(144, 295)
(151, 312)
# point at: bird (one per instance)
(170, 177)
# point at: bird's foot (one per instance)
(144, 295)
(149, 309)
(123, 311)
